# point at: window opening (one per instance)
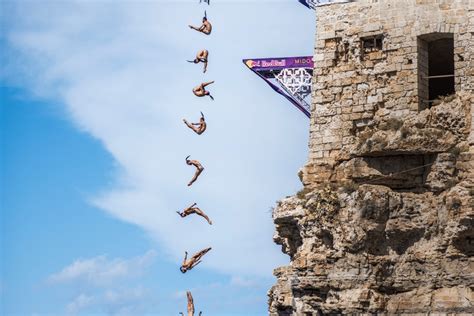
(436, 67)
(372, 43)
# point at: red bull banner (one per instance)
(279, 63)
(289, 76)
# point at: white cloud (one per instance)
(122, 301)
(79, 303)
(121, 72)
(101, 282)
(102, 271)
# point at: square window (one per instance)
(372, 43)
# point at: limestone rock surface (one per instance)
(392, 232)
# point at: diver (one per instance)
(206, 26)
(194, 261)
(194, 210)
(202, 56)
(199, 169)
(198, 128)
(200, 91)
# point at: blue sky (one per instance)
(93, 146)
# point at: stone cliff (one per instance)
(385, 221)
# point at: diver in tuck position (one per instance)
(206, 26)
(198, 128)
(194, 210)
(200, 91)
(199, 169)
(193, 261)
(202, 56)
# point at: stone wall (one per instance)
(353, 86)
(385, 221)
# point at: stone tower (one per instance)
(385, 221)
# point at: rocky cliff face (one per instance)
(393, 231)
(385, 221)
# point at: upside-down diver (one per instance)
(190, 304)
(202, 56)
(193, 261)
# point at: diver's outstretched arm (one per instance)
(185, 257)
